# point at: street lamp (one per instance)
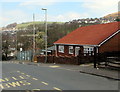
(34, 37)
(45, 34)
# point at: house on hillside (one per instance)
(90, 40)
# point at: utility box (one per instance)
(35, 59)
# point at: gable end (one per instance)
(109, 38)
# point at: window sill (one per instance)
(61, 52)
(70, 53)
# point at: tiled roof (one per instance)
(90, 35)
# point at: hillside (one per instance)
(26, 24)
(82, 22)
(112, 15)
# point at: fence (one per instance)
(24, 55)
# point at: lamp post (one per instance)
(33, 37)
(45, 34)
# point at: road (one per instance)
(17, 76)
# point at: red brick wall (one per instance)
(65, 59)
(112, 44)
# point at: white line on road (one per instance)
(57, 88)
(36, 89)
(34, 78)
(22, 73)
(28, 75)
(18, 71)
(54, 66)
(14, 78)
(21, 77)
(44, 83)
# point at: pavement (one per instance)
(100, 71)
(89, 69)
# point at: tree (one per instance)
(40, 40)
(6, 43)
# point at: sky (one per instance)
(57, 10)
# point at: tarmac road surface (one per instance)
(17, 76)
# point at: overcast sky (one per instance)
(58, 10)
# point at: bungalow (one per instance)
(89, 40)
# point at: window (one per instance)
(61, 48)
(70, 49)
(77, 49)
(87, 50)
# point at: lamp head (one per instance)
(44, 9)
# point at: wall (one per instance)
(111, 45)
(65, 59)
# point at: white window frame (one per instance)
(77, 49)
(61, 48)
(88, 49)
(70, 48)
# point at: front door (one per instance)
(77, 51)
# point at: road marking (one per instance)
(1, 86)
(34, 78)
(44, 83)
(28, 75)
(14, 78)
(6, 79)
(1, 80)
(35, 89)
(14, 84)
(57, 88)
(21, 77)
(29, 83)
(7, 86)
(22, 73)
(4, 86)
(54, 66)
(21, 82)
(24, 82)
(5, 83)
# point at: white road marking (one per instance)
(44, 83)
(57, 88)
(34, 78)
(35, 89)
(28, 75)
(21, 77)
(14, 78)
(54, 66)
(22, 73)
